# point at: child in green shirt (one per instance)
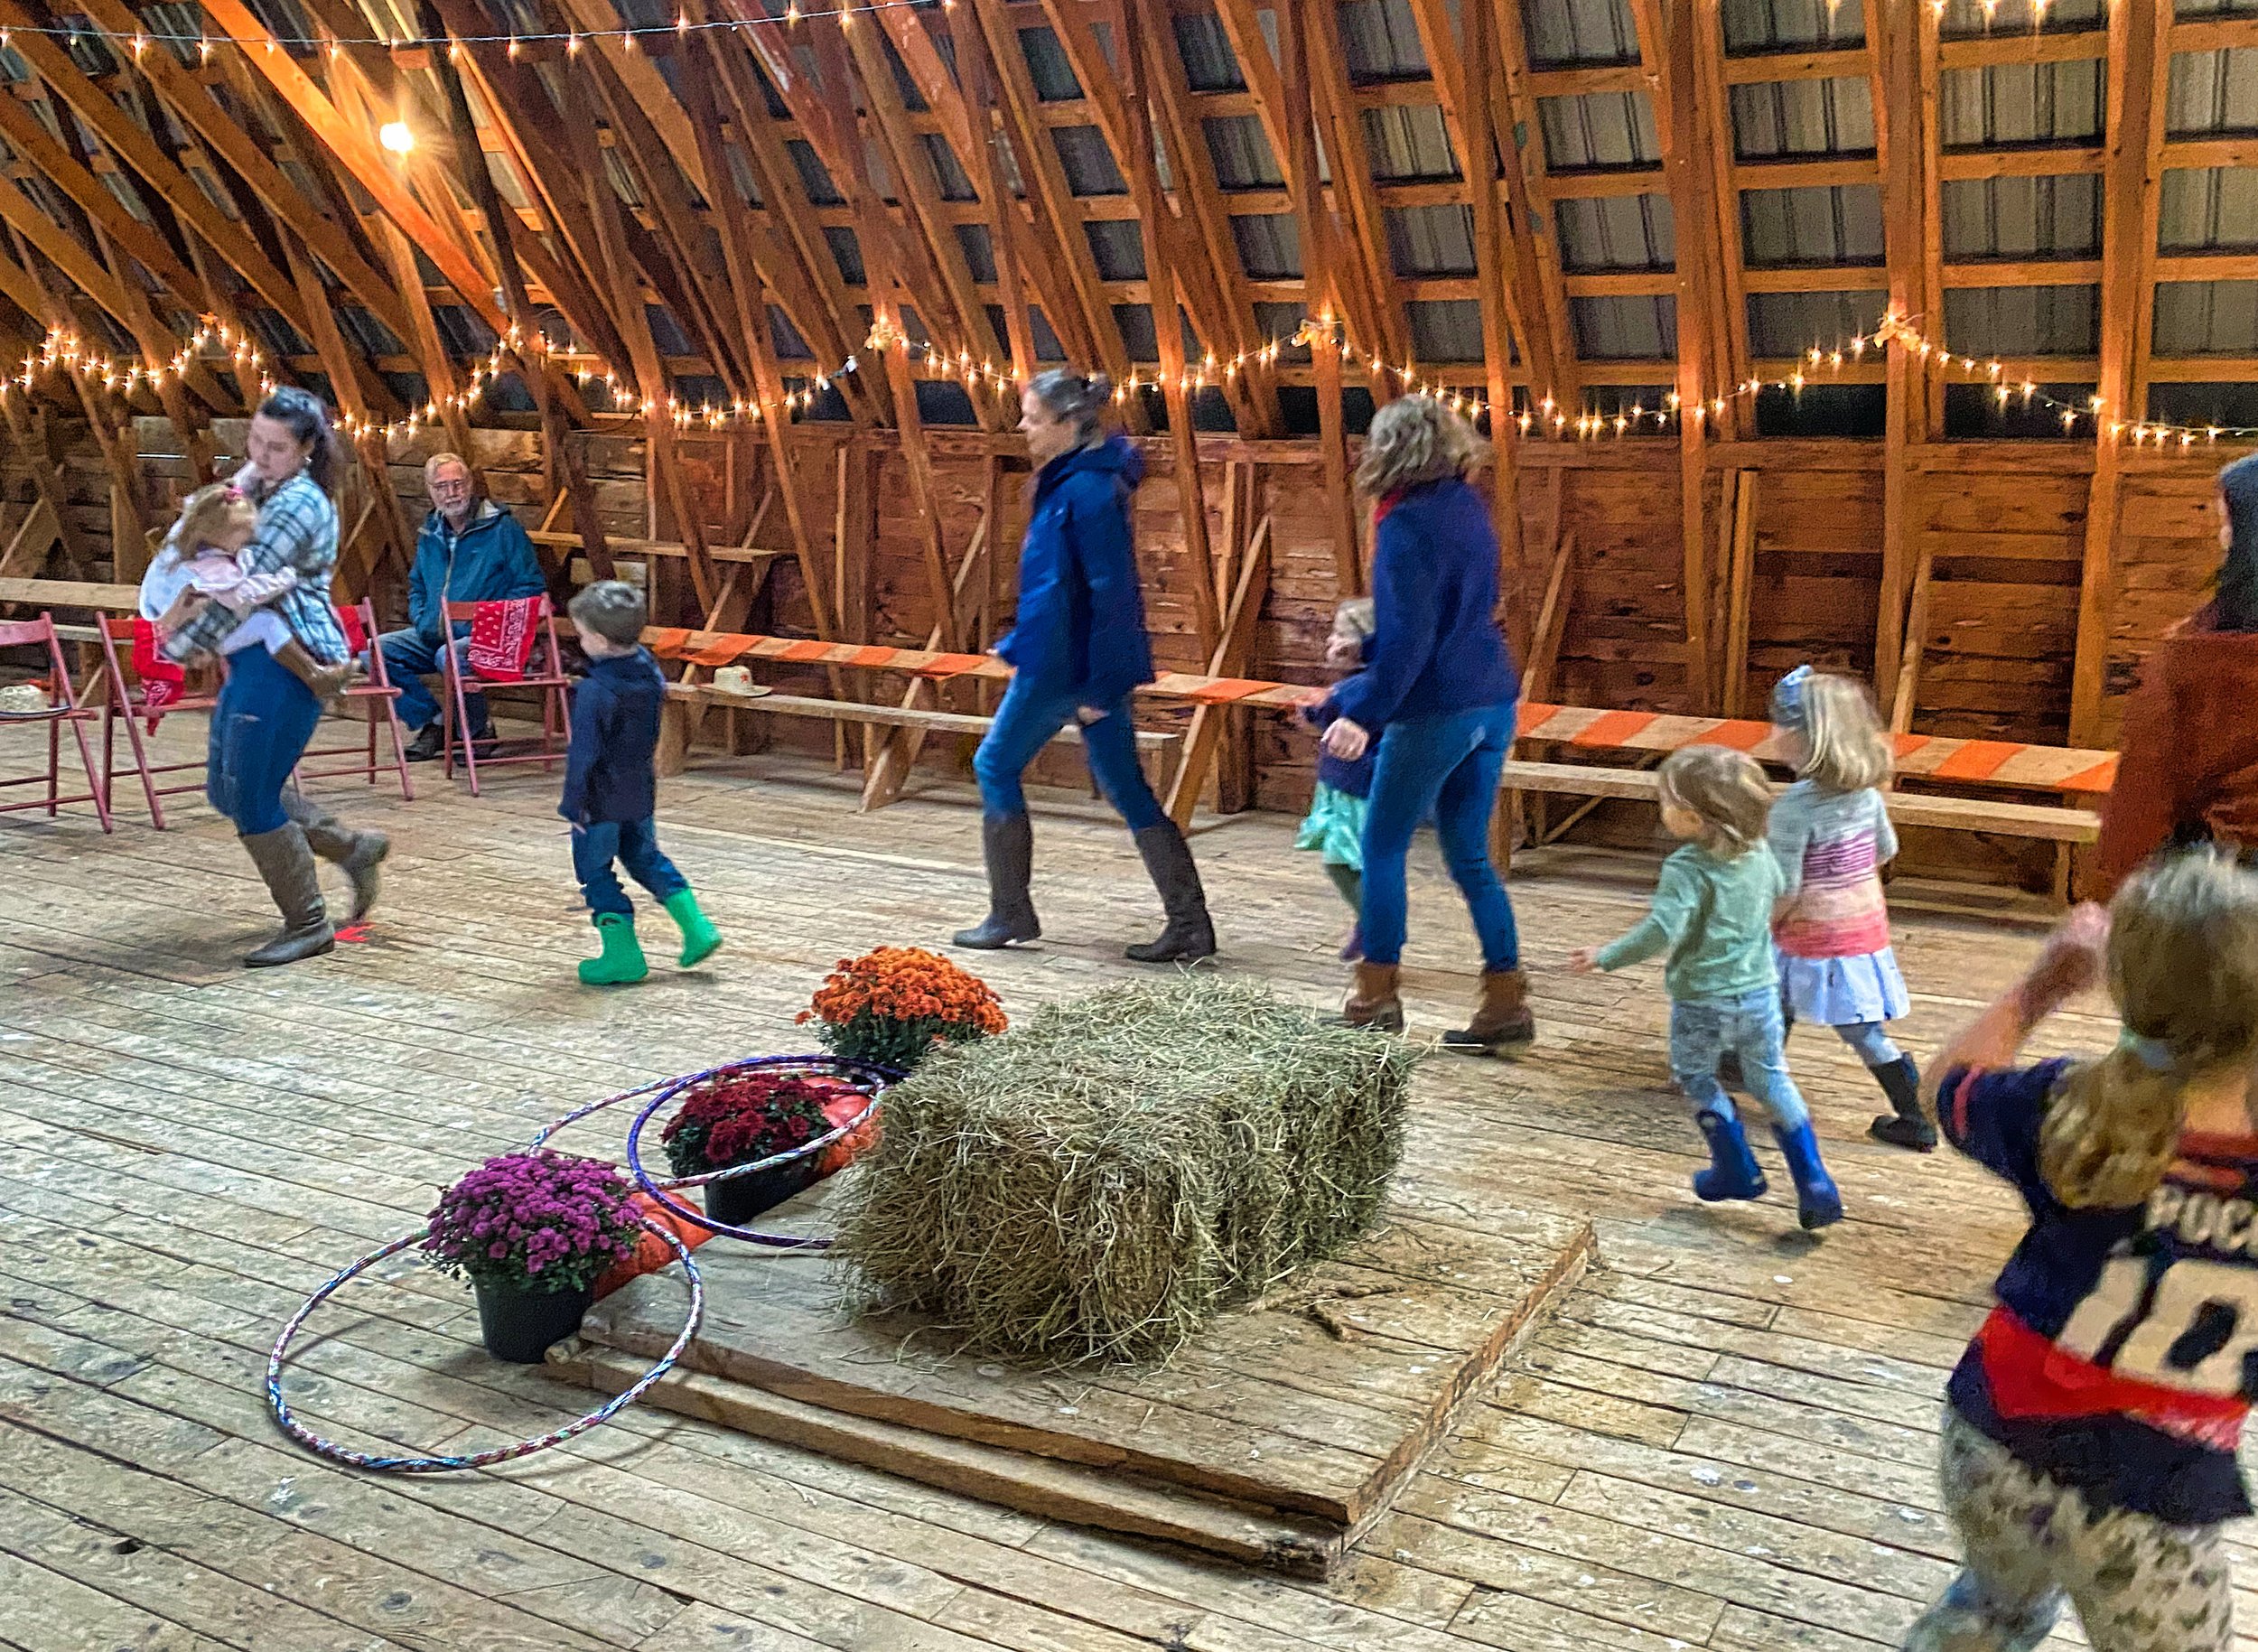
(1712, 915)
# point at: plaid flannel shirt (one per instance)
(297, 531)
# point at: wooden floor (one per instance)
(1725, 1439)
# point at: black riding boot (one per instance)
(1190, 936)
(1905, 1124)
(1007, 842)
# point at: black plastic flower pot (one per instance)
(518, 1325)
(738, 1200)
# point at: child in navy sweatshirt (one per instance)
(2090, 1430)
(611, 788)
(1334, 827)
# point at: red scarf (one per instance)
(1385, 503)
(502, 635)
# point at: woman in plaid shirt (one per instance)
(266, 716)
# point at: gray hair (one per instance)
(613, 608)
(1416, 439)
(1065, 394)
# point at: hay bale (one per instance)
(1096, 1183)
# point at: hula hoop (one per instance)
(869, 1078)
(320, 1445)
(873, 1078)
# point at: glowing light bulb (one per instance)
(394, 137)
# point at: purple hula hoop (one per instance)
(869, 1078)
(873, 1078)
(288, 1423)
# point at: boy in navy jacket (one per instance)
(611, 788)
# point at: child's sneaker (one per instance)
(700, 938)
(621, 962)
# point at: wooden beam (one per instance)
(1234, 655)
(1903, 144)
(1140, 44)
(361, 156)
(1665, 31)
(2137, 65)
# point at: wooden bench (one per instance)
(672, 745)
(2060, 824)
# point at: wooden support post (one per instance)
(2131, 178)
(1740, 592)
(1905, 692)
(1233, 653)
(1894, 44)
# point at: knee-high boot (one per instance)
(1188, 936)
(1007, 844)
(287, 865)
(357, 855)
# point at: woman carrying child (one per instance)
(2091, 1428)
(1831, 832)
(1436, 700)
(1712, 916)
(267, 715)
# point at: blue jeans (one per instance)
(1029, 715)
(261, 727)
(1446, 767)
(409, 657)
(634, 843)
(1753, 1027)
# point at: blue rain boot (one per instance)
(1817, 1203)
(1733, 1172)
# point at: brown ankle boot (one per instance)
(1373, 1002)
(1501, 1018)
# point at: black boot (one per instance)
(1905, 1125)
(1190, 936)
(357, 855)
(287, 865)
(1007, 842)
(429, 742)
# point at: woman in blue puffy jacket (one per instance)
(1435, 700)
(1079, 650)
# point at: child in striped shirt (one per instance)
(1832, 834)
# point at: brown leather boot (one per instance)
(1501, 1018)
(1373, 1002)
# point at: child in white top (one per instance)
(1831, 831)
(200, 563)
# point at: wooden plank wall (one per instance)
(2005, 523)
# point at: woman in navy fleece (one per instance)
(1437, 692)
(1078, 649)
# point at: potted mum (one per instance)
(533, 1232)
(892, 1005)
(741, 1117)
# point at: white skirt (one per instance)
(1842, 992)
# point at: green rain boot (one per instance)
(700, 938)
(622, 960)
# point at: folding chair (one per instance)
(125, 702)
(65, 708)
(545, 672)
(359, 622)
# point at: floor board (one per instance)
(1723, 1438)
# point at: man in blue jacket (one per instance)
(469, 550)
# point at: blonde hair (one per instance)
(1726, 789)
(210, 511)
(1416, 439)
(1846, 747)
(2183, 968)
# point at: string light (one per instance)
(217, 344)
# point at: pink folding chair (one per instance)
(359, 622)
(64, 708)
(544, 672)
(126, 703)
